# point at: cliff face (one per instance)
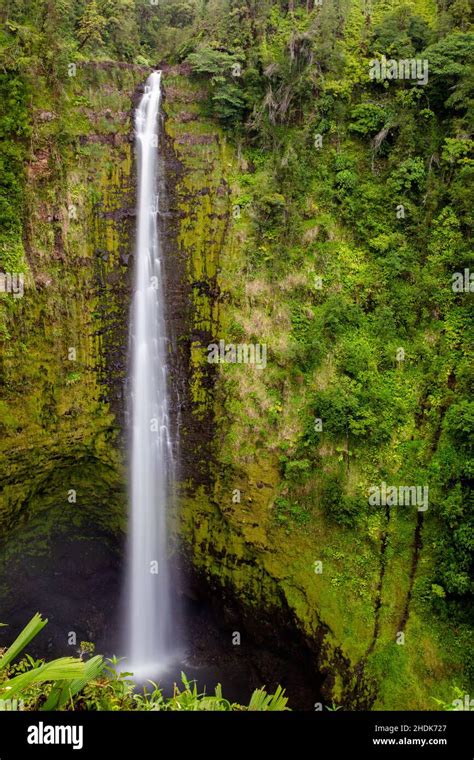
(254, 501)
(63, 506)
(226, 523)
(65, 354)
(303, 575)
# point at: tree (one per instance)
(451, 78)
(224, 70)
(91, 26)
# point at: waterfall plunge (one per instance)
(149, 630)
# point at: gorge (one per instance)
(271, 473)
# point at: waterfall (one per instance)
(149, 632)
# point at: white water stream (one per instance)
(149, 608)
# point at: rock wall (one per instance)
(62, 508)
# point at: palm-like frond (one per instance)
(64, 690)
(61, 669)
(31, 630)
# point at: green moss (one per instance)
(58, 431)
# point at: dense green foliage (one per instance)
(384, 146)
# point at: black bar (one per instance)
(143, 734)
